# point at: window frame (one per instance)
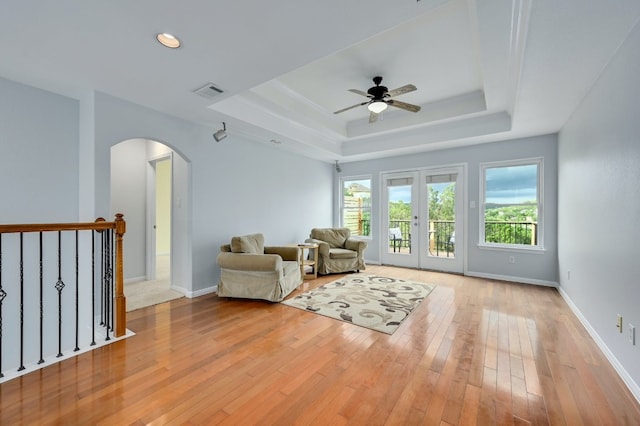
(341, 207)
(483, 167)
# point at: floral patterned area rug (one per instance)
(378, 303)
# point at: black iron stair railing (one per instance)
(34, 262)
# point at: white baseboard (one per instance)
(178, 289)
(135, 280)
(201, 292)
(511, 279)
(624, 375)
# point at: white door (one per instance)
(423, 217)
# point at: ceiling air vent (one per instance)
(208, 91)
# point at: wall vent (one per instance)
(208, 91)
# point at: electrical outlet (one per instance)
(568, 275)
(632, 334)
(619, 323)
(512, 259)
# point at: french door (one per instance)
(423, 217)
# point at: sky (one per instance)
(511, 185)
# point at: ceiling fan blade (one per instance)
(401, 90)
(360, 92)
(348, 108)
(404, 105)
(373, 117)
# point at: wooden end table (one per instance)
(313, 263)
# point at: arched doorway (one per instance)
(139, 172)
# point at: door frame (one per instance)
(419, 209)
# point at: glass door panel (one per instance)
(400, 213)
(443, 216)
(441, 196)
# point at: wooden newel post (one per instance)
(120, 301)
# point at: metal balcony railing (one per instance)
(442, 235)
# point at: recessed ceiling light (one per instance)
(168, 40)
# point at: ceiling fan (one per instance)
(379, 99)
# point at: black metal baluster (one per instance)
(93, 288)
(112, 290)
(3, 294)
(102, 272)
(76, 349)
(59, 286)
(21, 304)
(41, 360)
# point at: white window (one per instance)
(511, 208)
(356, 205)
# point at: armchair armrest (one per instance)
(323, 247)
(286, 253)
(250, 262)
(354, 244)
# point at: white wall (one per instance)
(128, 196)
(237, 186)
(39, 183)
(536, 268)
(38, 155)
(599, 208)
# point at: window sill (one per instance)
(512, 247)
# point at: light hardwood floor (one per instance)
(474, 352)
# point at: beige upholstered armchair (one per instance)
(251, 270)
(337, 251)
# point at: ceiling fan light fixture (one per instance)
(377, 106)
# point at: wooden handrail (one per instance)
(119, 225)
(99, 225)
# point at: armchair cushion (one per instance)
(253, 243)
(338, 253)
(335, 237)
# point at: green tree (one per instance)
(442, 204)
(448, 202)
(510, 224)
(434, 203)
(399, 210)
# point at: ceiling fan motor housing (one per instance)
(377, 91)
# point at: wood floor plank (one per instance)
(474, 352)
(469, 411)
